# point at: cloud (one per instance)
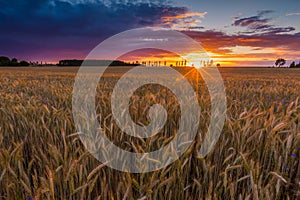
(184, 15)
(57, 29)
(216, 40)
(265, 12)
(186, 20)
(276, 30)
(260, 24)
(254, 21)
(251, 21)
(193, 27)
(262, 43)
(292, 14)
(237, 49)
(242, 48)
(43, 28)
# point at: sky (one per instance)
(234, 33)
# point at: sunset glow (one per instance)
(243, 35)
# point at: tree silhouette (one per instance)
(293, 64)
(280, 62)
(4, 61)
(24, 63)
(14, 62)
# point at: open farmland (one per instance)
(256, 157)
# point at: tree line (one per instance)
(5, 61)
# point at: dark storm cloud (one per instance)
(63, 18)
(260, 24)
(254, 21)
(250, 21)
(54, 25)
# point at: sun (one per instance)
(198, 59)
(195, 65)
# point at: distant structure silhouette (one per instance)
(75, 62)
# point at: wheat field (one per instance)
(256, 157)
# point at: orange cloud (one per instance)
(185, 15)
(184, 21)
